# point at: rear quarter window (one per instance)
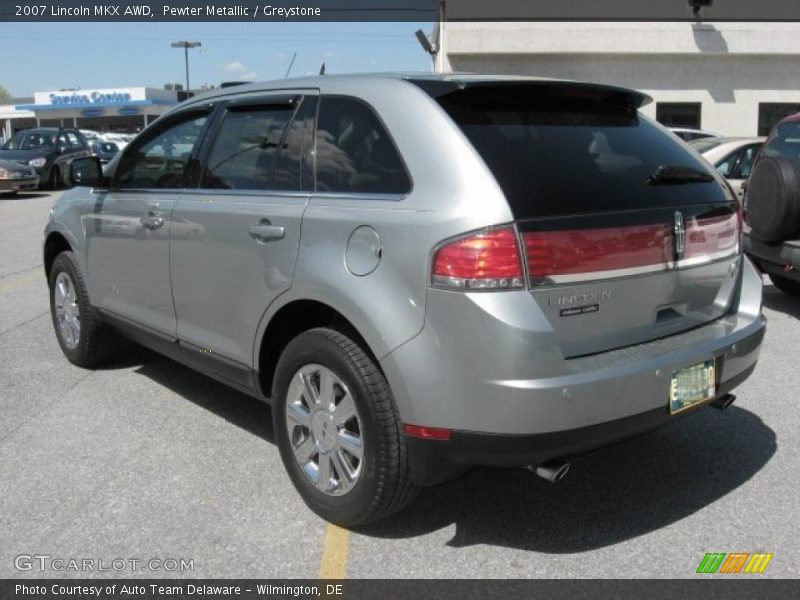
(354, 152)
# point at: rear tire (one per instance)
(344, 383)
(786, 285)
(84, 340)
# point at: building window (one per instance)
(678, 114)
(772, 113)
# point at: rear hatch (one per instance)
(626, 235)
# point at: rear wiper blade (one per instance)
(679, 174)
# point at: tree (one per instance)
(4, 93)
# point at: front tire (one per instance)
(55, 178)
(786, 285)
(83, 339)
(338, 430)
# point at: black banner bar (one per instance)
(395, 10)
(704, 586)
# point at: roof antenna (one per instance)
(322, 69)
(290, 65)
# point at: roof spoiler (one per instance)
(562, 90)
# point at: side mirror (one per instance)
(86, 172)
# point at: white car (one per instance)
(120, 139)
(732, 157)
(687, 134)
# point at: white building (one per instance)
(729, 78)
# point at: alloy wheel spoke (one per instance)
(311, 395)
(347, 474)
(351, 444)
(324, 472)
(298, 414)
(327, 396)
(305, 450)
(345, 410)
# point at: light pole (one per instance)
(186, 45)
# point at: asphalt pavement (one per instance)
(147, 460)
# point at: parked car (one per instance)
(772, 200)
(492, 271)
(120, 139)
(687, 134)
(49, 150)
(16, 177)
(105, 151)
(732, 157)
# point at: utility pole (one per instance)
(186, 45)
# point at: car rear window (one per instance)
(785, 141)
(574, 152)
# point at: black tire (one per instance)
(773, 199)
(786, 285)
(55, 178)
(95, 342)
(384, 485)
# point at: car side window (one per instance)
(726, 165)
(354, 152)
(161, 160)
(745, 165)
(73, 140)
(248, 145)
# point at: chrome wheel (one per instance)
(324, 430)
(65, 300)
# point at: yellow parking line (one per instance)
(19, 280)
(334, 553)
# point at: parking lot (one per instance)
(147, 459)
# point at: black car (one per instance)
(50, 150)
(105, 151)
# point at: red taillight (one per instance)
(484, 261)
(427, 433)
(712, 237)
(576, 254)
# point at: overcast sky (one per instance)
(47, 56)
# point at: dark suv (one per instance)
(49, 150)
(772, 238)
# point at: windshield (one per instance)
(27, 140)
(557, 156)
(705, 144)
(785, 141)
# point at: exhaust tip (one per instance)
(553, 471)
(724, 401)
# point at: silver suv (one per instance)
(421, 274)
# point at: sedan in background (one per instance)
(732, 157)
(687, 134)
(49, 150)
(16, 177)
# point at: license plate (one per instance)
(692, 385)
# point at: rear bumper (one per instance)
(494, 377)
(774, 258)
(436, 461)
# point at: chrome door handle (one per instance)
(151, 221)
(265, 232)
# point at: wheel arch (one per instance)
(290, 320)
(54, 244)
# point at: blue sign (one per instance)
(128, 111)
(92, 112)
